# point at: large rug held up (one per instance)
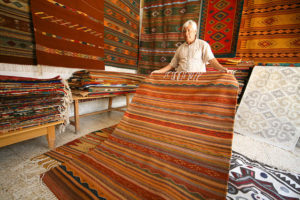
(269, 110)
(174, 142)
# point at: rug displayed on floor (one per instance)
(121, 33)
(69, 33)
(219, 25)
(173, 142)
(249, 179)
(16, 35)
(269, 31)
(161, 32)
(269, 109)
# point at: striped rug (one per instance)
(174, 142)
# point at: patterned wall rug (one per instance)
(269, 110)
(161, 32)
(121, 33)
(269, 31)
(219, 25)
(16, 33)
(69, 34)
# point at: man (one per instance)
(193, 55)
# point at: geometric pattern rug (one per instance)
(121, 33)
(269, 31)
(219, 25)
(16, 35)
(161, 32)
(248, 179)
(269, 109)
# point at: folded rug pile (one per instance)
(93, 82)
(26, 102)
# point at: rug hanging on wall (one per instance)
(269, 31)
(16, 35)
(121, 33)
(172, 143)
(269, 110)
(161, 32)
(219, 26)
(69, 33)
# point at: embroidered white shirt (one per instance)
(193, 57)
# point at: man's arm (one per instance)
(163, 70)
(215, 63)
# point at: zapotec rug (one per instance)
(248, 179)
(69, 33)
(269, 110)
(174, 142)
(219, 25)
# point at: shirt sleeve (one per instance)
(207, 53)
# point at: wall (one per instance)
(42, 71)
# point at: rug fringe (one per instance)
(34, 187)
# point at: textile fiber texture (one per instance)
(69, 33)
(161, 32)
(219, 26)
(121, 33)
(16, 35)
(269, 110)
(174, 142)
(269, 31)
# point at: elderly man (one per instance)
(193, 55)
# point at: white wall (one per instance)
(42, 71)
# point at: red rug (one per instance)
(219, 25)
(69, 33)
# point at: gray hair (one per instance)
(190, 22)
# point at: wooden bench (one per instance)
(77, 99)
(13, 137)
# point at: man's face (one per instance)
(189, 34)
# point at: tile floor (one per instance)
(14, 182)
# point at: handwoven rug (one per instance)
(174, 142)
(219, 25)
(69, 33)
(269, 110)
(16, 33)
(249, 179)
(161, 32)
(269, 31)
(121, 33)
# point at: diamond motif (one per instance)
(221, 4)
(217, 46)
(218, 36)
(220, 15)
(219, 26)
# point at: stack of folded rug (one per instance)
(92, 82)
(27, 102)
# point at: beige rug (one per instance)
(270, 108)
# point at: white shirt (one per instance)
(193, 57)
